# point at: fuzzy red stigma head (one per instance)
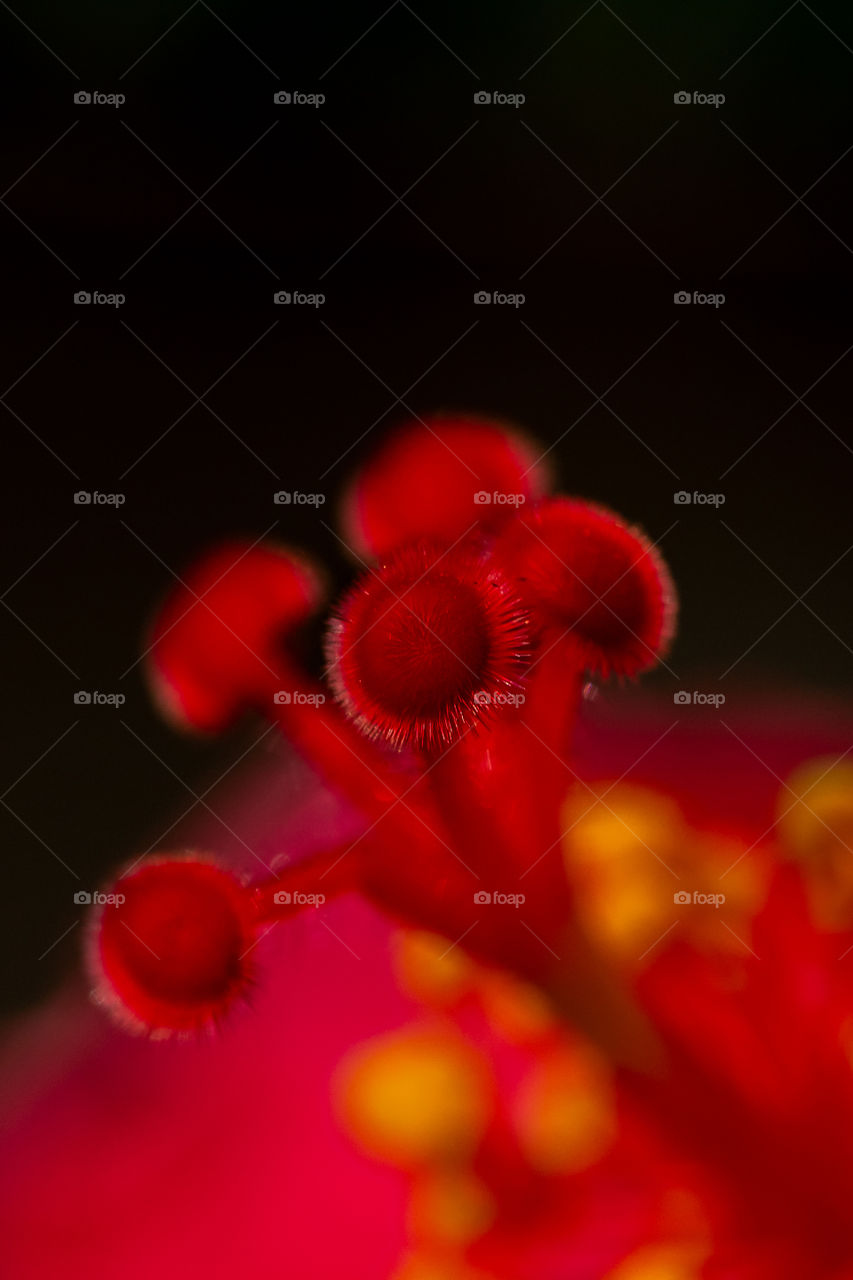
(437, 478)
(169, 951)
(427, 645)
(217, 637)
(578, 567)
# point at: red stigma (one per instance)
(217, 638)
(580, 568)
(170, 957)
(422, 646)
(436, 479)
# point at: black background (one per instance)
(398, 199)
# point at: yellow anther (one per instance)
(815, 825)
(425, 1267)
(621, 851)
(415, 1098)
(661, 1262)
(631, 858)
(450, 1207)
(621, 822)
(566, 1118)
(815, 811)
(519, 1011)
(429, 968)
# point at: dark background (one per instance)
(749, 199)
